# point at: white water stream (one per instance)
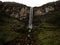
(30, 18)
(30, 25)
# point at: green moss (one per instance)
(9, 27)
(49, 29)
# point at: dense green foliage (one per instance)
(10, 28)
(49, 29)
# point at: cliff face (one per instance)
(16, 10)
(42, 11)
(52, 6)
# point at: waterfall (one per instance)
(30, 18)
(30, 25)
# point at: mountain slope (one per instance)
(48, 24)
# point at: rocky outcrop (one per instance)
(52, 6)
(16, 10)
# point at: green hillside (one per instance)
(48, 28)
(11, 29)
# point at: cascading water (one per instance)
(30, 18)
(30, 25)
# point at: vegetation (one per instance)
(48, 28)
(10, 28)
